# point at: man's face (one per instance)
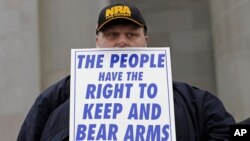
(121, 35)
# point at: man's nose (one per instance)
(122, 41)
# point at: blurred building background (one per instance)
(209, 41)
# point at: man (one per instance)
(199, 115)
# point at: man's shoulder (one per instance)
(187, 88)
(61, 85)
(187, 91)
(56, 94)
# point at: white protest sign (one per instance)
(121, 94)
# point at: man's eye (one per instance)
(113, 34)
(131, 35)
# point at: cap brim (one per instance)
(126, 18)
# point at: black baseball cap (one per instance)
(121, 11)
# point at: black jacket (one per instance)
(245, 122)
(199, 115)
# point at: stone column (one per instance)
(19, 63)
(65, 24)
(184, 26)
(231, 32)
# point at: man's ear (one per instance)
(97, 41)
(146, 39)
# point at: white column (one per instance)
(231, 32)
(19, 63)
(65, 24)
(185, 28)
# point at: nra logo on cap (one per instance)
(117, 11)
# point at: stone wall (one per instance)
(19, 63)
(184, 26)
(231, 34)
